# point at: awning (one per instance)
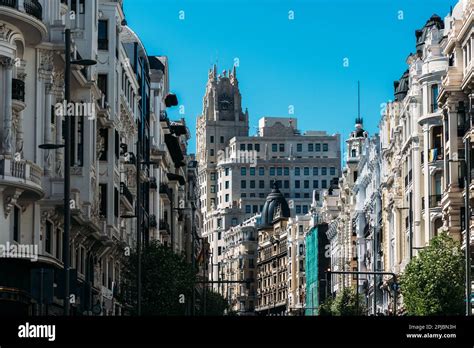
(176, 177)
(174, 148)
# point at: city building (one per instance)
(368, 219)
(297, 229)
(119, 129)
(272, 259)
(456, 106)
(237, 171)
(240, 265)
(412, 168)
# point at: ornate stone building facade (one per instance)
(272, 260)
(115, 121)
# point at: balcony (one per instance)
(153, 184)
(435, 201)
(152, 221)
(436, 154)
(28, 18)
(164, 226)
(126, 196)
(23, 176)
(165, 191)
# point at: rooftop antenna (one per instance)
(358, 99)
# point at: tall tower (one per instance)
(222, 119)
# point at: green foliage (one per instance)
(325, 307)
(167, 281)
(346, 303)
(216, 304)
(433, 282)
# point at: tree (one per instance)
(346, 303)
(167, 281)
(433, 282)
(216, 304)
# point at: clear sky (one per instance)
(285, 62)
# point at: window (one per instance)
(297, 184)
(297, 171)
(261, 171)
(324, 184)
(286, 184)
(332, 171)
(279, 171)
(243, 184)
(211, 152)
(252, 184)
(243, 171)
(248, 209)
(306, 184)
(306, 171)
(227, 184)
(257, 147)
(102, 84)
(58, 243)
(116, 202)
(48, 241)
(272, 171)
(305, 209)
(227, 197)
(434, 98)
(274, 147)
(222, 140)
(212, 139)
(298, 209)
(310, 147)
(242, 147)
(315, 171)
(324, 171)
(227, 172)
(103, 35)
(234, 222)
(282, 147)
(103, 200)
(213, 176)
(213, 188)
(104, 146)
(261, 184)
(250, 147)
(299, 147)
(252, 171)
(255, 209)
(315, 184)
(325, 147)
(287, 171)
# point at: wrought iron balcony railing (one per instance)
(435, 201)
(31, 7)
(126, 193)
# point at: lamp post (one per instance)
(67, 161)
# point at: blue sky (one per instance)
(285, 62)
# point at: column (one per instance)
(7, 63)
(47, 127)
(426, 183)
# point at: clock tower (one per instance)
(222, 119)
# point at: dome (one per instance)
(402, 86)
(274, 208)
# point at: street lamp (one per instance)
(67, 161)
